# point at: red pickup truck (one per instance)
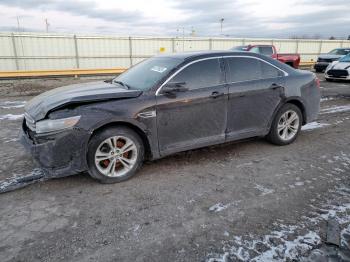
(270, 50)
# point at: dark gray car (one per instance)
(326, 59)
(167, 104)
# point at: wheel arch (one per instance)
(299, 103)
(135, 128)
(291, 100)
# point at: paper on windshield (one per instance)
(159, 69)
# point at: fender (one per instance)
(149, 138)
(283, 102)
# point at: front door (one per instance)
(195, 117)
(255, 91)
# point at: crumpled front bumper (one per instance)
(60, 154)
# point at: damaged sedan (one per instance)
(339, 69)
(167, 104)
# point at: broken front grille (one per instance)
(338, 73)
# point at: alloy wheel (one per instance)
(115, 156)
(288, 125)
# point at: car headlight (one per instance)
(46, 126)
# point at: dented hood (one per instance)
(40, 105)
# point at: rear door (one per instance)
(255, 90)
(196, 117)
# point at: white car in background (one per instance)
(339, 69)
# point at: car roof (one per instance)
(203, 54)
(196, 55)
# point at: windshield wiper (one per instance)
(127, 87)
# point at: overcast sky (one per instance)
(242, 18)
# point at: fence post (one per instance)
(76, 51)
(297, 46)
(342, 43)
(320, 47)
(173, 44)
(130, 50)
(210, 44)
(15, 51)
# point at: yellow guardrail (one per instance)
(310, 63)
(79, 72)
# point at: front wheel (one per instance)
(115, 154)
(286, 125)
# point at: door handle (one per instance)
(275, 86)
(216, 94)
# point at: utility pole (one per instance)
(47, 25)
(18, 24)
(193, 32)
(221, 24)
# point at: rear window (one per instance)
(266, 50)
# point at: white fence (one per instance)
(25, 51)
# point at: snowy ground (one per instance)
(248, 201)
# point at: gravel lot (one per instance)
(247, 201)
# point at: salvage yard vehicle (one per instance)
(270, 50)
(339, 69)
(323, 61)
(167, 104)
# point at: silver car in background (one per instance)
(325, 60)
(339, 69)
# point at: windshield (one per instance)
(340, 52)
(240, 48)
(345, 58)
(146, 74)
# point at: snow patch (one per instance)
(335, 109)
(11, 117)
(327, 99)
(12, 104)
(11, 140)
(313, 125)
(218, 207)
(264, 191)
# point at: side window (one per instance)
(269, 71)
(266, 50)
(201, 74)
(243, 69)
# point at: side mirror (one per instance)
(171, 88)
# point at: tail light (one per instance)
(318, 83)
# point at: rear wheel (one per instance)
(286, 125)
(115, 154)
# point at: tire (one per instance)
(107, 146)
(283, 137)
(318, 70)
(329, 80)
